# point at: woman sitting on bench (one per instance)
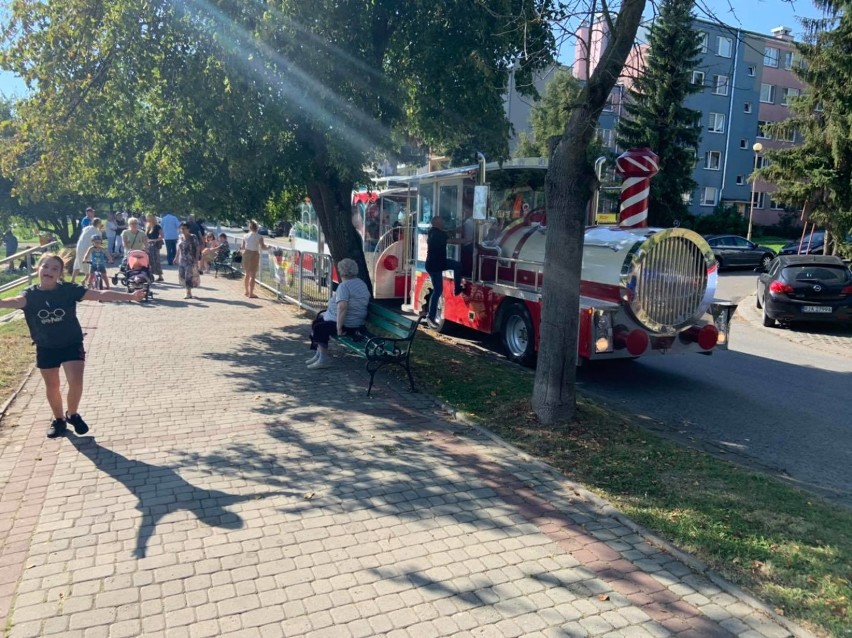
(346, 313)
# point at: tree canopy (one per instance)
(550, 114)
(219, 107)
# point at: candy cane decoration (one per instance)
(637, 166)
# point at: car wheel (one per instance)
(765, 261)
(768, 321)
(757, 303)
(518, 335)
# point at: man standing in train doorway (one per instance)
(436, 263)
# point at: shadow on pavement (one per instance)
(160, 491)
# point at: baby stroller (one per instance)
(135, 273)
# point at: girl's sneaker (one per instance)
(77, 421)
(57, 428)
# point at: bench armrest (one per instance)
(382, 347)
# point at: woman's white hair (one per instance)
(347, 268)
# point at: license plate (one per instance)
(826, 309)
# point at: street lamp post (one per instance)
(757, 148)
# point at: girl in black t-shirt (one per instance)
(50, 308)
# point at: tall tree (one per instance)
(220, 105)
(656, 116)
(569, 184)
(816, 175)
(550, 114)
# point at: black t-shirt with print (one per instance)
(52, 315)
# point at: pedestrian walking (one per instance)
(111, 233)
(171, 232)
(133, 238)
(120, 227)
(88, 217)
(50, 309)
(83, 244)
(187, 259)
(252, 244)
(154, 233)
(11, 243)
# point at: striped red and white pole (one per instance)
(637, 166)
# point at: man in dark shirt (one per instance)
(437, 263)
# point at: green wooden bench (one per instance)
(226, 264)
(386, 340)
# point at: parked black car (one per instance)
(812, 244)
(805, 288)
(733, 251)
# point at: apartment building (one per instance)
(746, 80)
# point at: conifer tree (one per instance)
(656, 116)
(816, 174)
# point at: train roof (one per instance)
(523, 163)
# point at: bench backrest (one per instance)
(387, 323)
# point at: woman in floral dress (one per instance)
(187, 258)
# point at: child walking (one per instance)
(50, 308)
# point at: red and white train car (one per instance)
(644, 290)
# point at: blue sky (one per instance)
(753, 15)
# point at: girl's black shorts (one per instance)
(47, 358)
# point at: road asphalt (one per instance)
(224, 490)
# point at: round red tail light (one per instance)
(390, 262)
(708, 337)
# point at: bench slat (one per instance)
(376, 326)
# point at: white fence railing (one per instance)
(295, 276)
(26, 261)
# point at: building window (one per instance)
(708, 196)
(762, 161)
(789, 60)
(743, 143)
(775, 205)
(758, 200)
(720, 84)
(762, 131)
(605, 136)
(702, 41)
(740, 180)
(712, 160)
(717, 123)
(786, 94)
(770, 57)
(750, 70)
(787, 134)
(767, 93)
(747, 107)
(725, 46)
(698, 78)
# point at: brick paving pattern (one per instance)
(224, 490)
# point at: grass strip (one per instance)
(16, 356)
(788, 547)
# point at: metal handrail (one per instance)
(28, 278)
(508, 262)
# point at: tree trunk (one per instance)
(332, 201)
(570, 181)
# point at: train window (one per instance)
(448, 206)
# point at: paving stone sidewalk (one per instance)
(224, 490)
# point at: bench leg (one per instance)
(372, 378)
(410, 377)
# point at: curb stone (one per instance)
(604, 507)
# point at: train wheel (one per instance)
(518, 335)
